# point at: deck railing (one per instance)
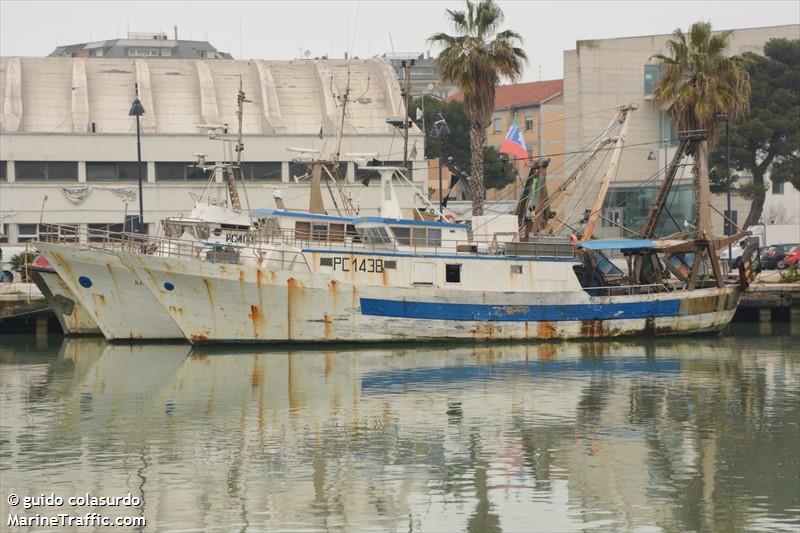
(264, 240)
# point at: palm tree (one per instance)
(699, 82)
(475, 59)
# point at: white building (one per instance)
(600, 75)
(68, 145)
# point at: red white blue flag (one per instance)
(514, 143)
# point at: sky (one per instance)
(285, 30)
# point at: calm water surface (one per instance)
(668, 435)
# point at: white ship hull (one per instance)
(115, 299)
(230, 303)
(71, 314)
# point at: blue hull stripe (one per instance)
(518, 313)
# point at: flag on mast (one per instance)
(514, 143)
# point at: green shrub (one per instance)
(790, 275)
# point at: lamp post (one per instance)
(137, 110)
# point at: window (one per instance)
(434, 237)
(59, 233)
(142, 52)
(341, 171)
(612, 218)
(46, 170)
(103, 232)
(298, 170)
(777, 187)
(376, 235)
(516, 269)
(326, 261)
(262, 170)
(4, 233)
(402, 235)
(733, 216)
(166, 52)
(180, 172)
(497, 125)
(667, 130)
(302, 230)
(452, 273)
(121, 171)
(319, 232)
(336, 233)
(651, 75)
(27, 232)
(528, 121)
(351, 233)
(3, 171)
(419, 236)
(390, 265)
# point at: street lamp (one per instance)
(137, 110)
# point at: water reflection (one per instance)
(686, 434)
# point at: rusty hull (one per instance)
(116, 300)
(220, 303)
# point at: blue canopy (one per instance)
(617, 244)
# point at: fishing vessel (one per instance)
(394, 279)
(312, 277)
(70, 313)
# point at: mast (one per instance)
(619, 141)
(230, 176)
(407, 95)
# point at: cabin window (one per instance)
(336, 232)
(402, 235)
(419, 236)
(374, 235)
(3, 171)
(434, 237)
(390, 265)
(302, 230)
(4, 235)
(351, 233)
(516, 269)
(320, 232)
(452, 273)
(326, 261)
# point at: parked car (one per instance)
(737, 249)
(774, 256)
(793, 257)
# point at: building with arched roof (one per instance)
(67, 142)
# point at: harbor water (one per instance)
(672, 434)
